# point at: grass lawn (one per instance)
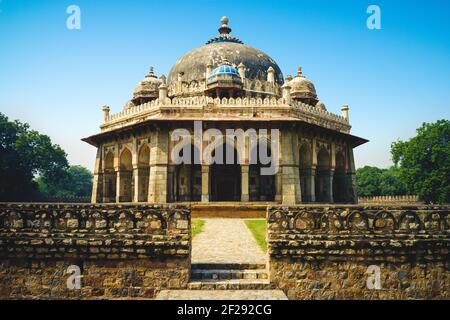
(259, 230)
(197, 227)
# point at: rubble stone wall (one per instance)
(121, 251)
(335, 252)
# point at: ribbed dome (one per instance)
(224, 70)
(192, 66)
(147, 88)
(302, 87)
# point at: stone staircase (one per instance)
(229, 277)
(226, 282)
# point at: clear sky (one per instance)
(58, 79)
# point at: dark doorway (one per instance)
(226, 178)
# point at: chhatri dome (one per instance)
(192, 66)
(303, 89)
(147, 89)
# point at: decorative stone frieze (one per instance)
(121, 250)
(323, 252)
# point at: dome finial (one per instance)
(299, 72)
(224, 28)
(151, 72)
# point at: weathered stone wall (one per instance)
(121, 250)
(319, 252)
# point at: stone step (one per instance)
(228, 266)
(226, 274)
(221, 295)
(232, 284)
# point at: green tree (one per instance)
(76, 183)
(25, 153)
(368, 181)
(424, 162)
(373, 181)
(390, 183)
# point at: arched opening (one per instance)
(226, 178)
(126, 174)
(306, 173)
(339, 185)
(109, 179)
(323, 188)
(188, 178)
(261, 186)
(143, 173)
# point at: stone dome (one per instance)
(321, 106)
(193, 65)
(302, 88)
(224, 70)
(147, 89)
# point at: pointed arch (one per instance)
(125, 175)
(339, 179)
(323, 176)
(261, 187)
(226, 174)
(109, 178)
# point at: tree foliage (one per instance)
(76, 183)
(25, 153)
(424, 162)
(373, 181)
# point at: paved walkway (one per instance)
(226, 241)
(221, 295)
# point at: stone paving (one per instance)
(226, 241)
(221, 295)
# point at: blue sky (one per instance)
(58, 79)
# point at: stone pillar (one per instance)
(171, 183)
(97, 183)
(278, 186)
(119, 177)
(205, 183)
(137, 183)
(351, 178)
(291, 192)
(312, 185)
(244, 183)
(157, 191)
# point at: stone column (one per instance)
(351, 178)
(311, 185)
(291, 192)
(278, 185)
(119, 177)
(205, 183)
(329, 186)
(244, 183)
(97, 183)
(137, 183)
(171, 183)
(157, 191)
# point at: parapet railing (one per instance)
(224, 102)
(393, 199)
